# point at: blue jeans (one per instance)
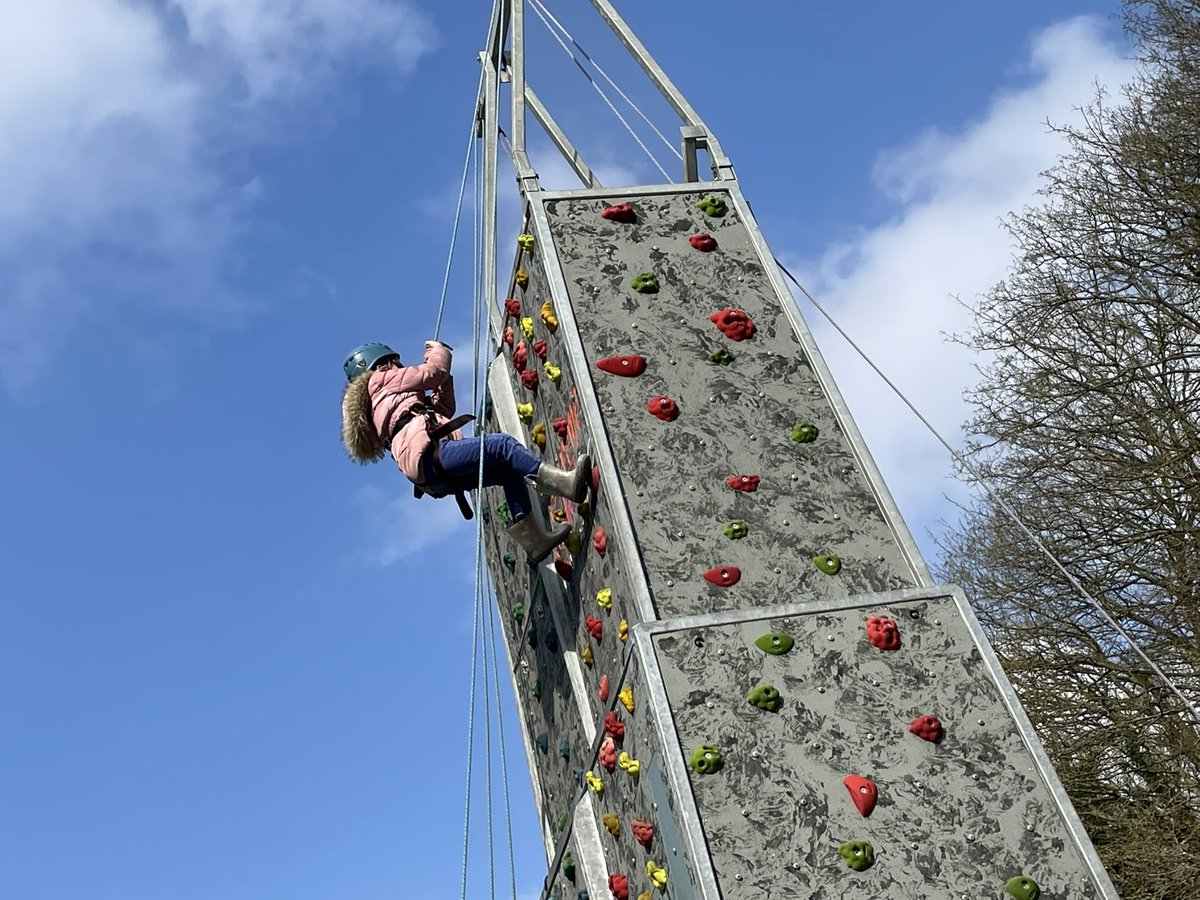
(506, 462)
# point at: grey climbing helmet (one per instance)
(365, 357)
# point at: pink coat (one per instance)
(395, 390)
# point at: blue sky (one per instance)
(232, 664)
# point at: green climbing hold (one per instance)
(503, 514)
(568, 866)
(775, 643)
(804, 432)
(518, 612)
(562, 820)
(537, 689)
(510, 561)
(765, 696)
(721, 357)
(736, 530)
(858, 855)
(706, 759)
(543, 742)
(1023, 887)
(828, 563)
(645, 283)
(713, 205)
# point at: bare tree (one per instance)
(1087, 422)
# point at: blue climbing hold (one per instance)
(510, 560)
(543, 742)
(564, 748)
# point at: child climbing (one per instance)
(409, 410)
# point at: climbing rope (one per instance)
(1000, 502)
(671, 147)
(599, 90)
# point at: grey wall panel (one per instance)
(957, 818)
(734, 419)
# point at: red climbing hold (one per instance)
(883, 633)
(927, 728)
(663, 407)
(564, 569)
(747, 483)
(628, 366)
(643, 832)
(608, 754)
(560, 428)
(539, 348)
(600, 541)
(508, 335)
(703, 242)
(725, 576)
(603, 691)
(530, 379)
(622, 212)
(733, 323)
(520, 357)
(863, 792)
(595, 627)
(614, 727)
(512, 307)
(595, 479)
(619, 885)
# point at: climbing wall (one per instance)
(733, 679)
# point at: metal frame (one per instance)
(645, 633)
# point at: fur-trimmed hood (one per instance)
(359, 437)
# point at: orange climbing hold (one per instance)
(735, 324)
(863, 792)
(745, 483)
(725, 576)
(883, 632)
(622, 212)
(643, 832)
(628, 366)
(608, 754)
(663, 407)
(614, 727)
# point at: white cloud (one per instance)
(399, 527)
(894, 287)
(111, 118)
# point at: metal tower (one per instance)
(739, 680)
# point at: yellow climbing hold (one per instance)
(553, 372)
(526, 241)
(522, 277)
(596, 785)
(623, 633)
(558, 514)
(604, 598)
(586, 655)
(626, 696)
(527, 326)
(612, 823)
(574, 543)
(645, 895)
(538, 434)
(629, 765)
(525, 412)
(658, 875)
(549, 319)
